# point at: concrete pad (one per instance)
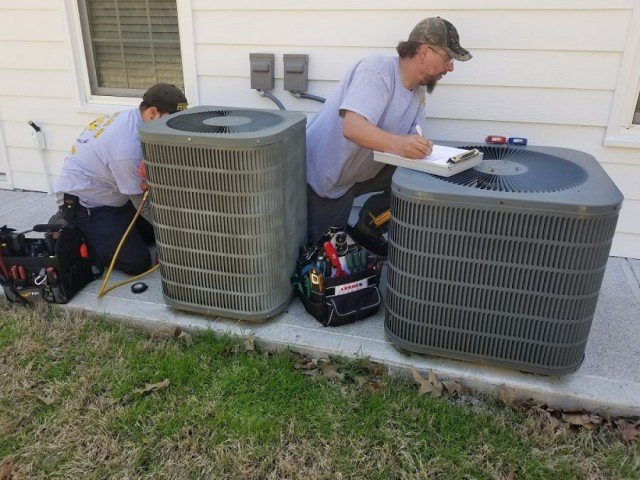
(607, 382)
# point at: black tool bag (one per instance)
(336, 298)
(53, 268)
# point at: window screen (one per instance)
(131, 45)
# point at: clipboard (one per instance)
(443, 161)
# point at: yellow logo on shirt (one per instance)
(98, 122)
(95, 124)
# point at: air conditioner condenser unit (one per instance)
(228, 187)
(502, 263)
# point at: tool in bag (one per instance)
(370, 231)
(337, 280)
(52, 268)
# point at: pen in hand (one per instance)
(429, 143)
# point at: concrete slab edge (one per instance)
(632, 275)
(604, 396)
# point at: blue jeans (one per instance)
(323, 213)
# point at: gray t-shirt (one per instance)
(102, 168)
(372, 88)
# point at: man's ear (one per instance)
(150, 113)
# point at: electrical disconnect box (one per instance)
(262, 77)
(295, 72)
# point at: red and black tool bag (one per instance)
(31, 273)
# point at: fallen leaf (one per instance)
(430, 385)
(153, 387)
(45, 400)
(183, 336)
(329, 371)
(249, 344)
(306, 363)
(547, 414)
(630, 432)
(374, 368)
(6, 470)
(507, 395)
(589, 421)
(452, 386)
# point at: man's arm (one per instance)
(357, 129)
(147, 211)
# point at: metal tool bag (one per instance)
(337, 280)
(53, 268)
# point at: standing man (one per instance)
(377, 106)
(101, 177)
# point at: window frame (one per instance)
(85, 100)
(621, 131)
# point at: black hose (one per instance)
(264, 93)
(308, 96)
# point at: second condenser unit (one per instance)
(229, 198)
(501, 263)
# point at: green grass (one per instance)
(228, 413)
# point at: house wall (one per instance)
(546, 70)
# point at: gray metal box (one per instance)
(228, 187)
(502, 263)
(296, 76)
(262, 70)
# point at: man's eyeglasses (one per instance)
(446, 57)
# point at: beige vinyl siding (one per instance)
(34, 65)
(543, 69)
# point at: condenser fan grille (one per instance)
(507, 169)
(225, 121)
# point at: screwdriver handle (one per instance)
(333, 256)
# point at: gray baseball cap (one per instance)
(439, 32)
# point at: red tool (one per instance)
(333, 256)
(4, 270)
(496, 139)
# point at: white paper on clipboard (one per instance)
(436, 163)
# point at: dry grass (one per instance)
(70, 407)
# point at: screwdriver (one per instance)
(333, 256)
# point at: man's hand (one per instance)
(412, 146)
(357, 129)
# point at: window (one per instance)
(130, 45)
(636, 115)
